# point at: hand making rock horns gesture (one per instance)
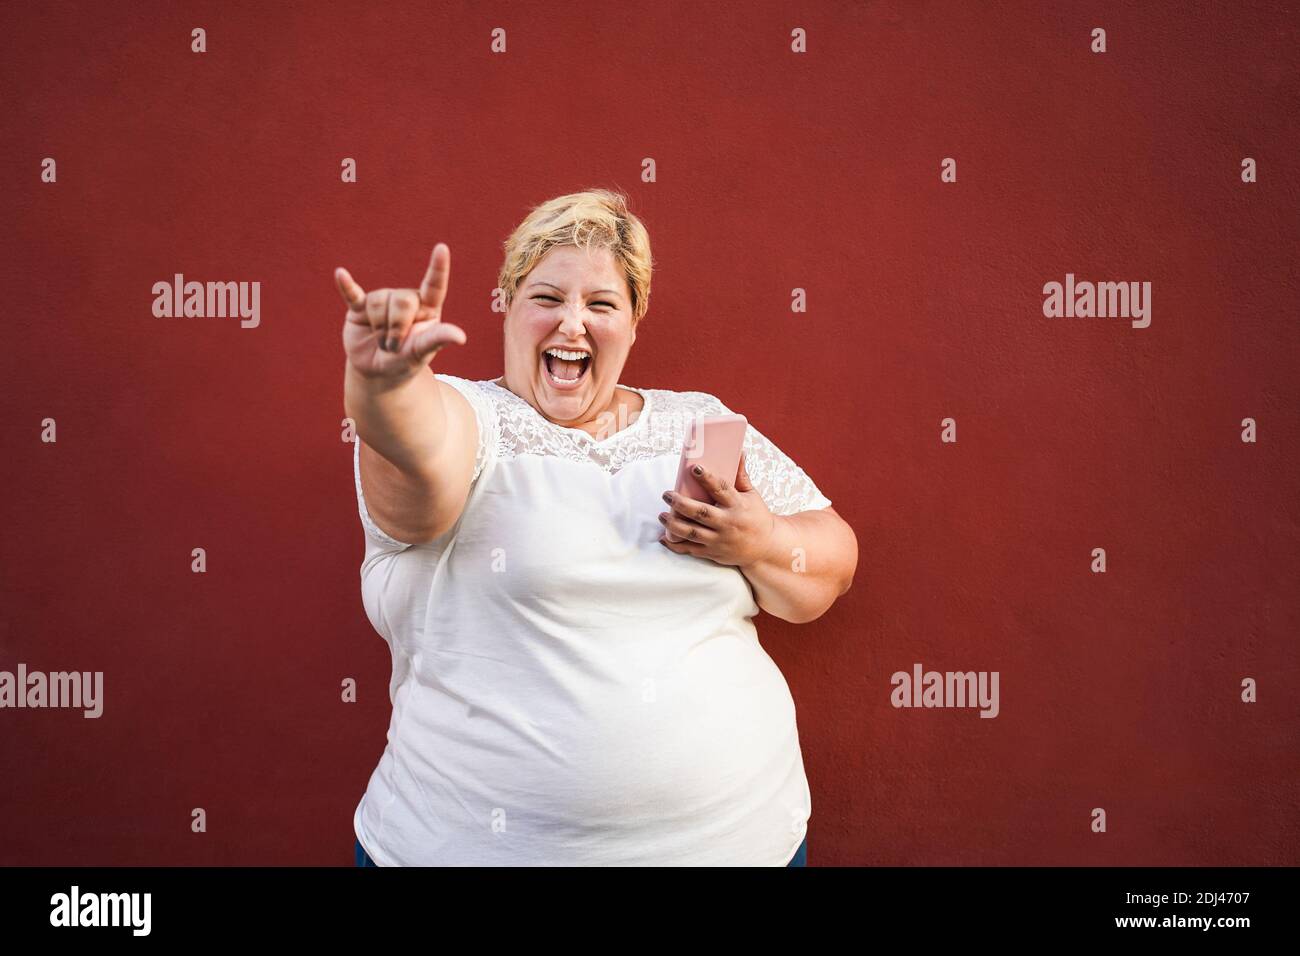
(394, 333)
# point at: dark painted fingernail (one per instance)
(663, 519)
(392, 345)
(668, 497)
(698, 470)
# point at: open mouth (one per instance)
(565, 373)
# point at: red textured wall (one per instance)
(775, 170)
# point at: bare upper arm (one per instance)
(852, 539)
(416, 509)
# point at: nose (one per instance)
(571, 325)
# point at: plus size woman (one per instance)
(577, 679)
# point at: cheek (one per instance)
(610, 337)
(531, 330)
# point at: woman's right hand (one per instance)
(394, 333)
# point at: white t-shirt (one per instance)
(565, 689)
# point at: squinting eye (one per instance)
(551, 298)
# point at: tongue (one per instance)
(563, 368)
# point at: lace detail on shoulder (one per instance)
(660, 429)
(485, 414)
(373, 531)
(785, 487)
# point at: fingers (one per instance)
(433, 288)
(693, 510)
(429, 337)
(352, 293)
(391, 314)
(402, 307)
(720, 489)
(377, 314)
(396, 315)
(678, 529)
(743, 482)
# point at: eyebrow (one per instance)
(558, 289)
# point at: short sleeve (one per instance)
(486, 442)
(785, 487)
(374, 534)
(484, 415)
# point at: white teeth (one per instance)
(568, 355)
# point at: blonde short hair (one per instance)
(593, 218)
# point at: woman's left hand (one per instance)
(737, 531)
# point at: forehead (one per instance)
(569, 265)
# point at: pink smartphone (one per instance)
(713, 442)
